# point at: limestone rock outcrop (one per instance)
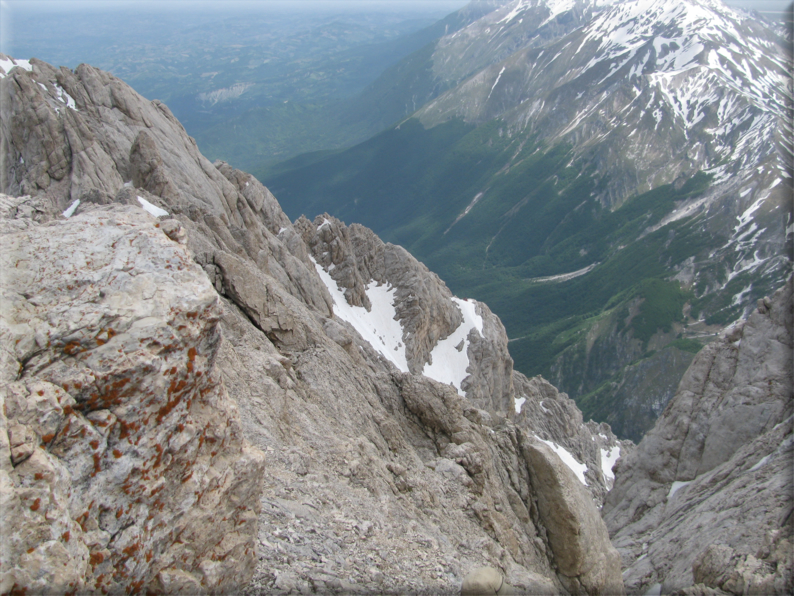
(378, 477)
(125, 463)
(705, 502)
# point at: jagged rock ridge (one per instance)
(355, 446)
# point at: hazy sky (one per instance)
(434, 5)
(227, 5)
(8, 8)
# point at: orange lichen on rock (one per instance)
(72, 348)
(97, 464)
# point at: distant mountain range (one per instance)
(613, 178)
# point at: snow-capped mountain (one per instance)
(510, 27)
(652, 91)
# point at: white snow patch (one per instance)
(499, 76)
(745, 217)
(378, 326)
(739, 298)
(519, 401)
(746, 265)
(784, 444)
(545, 410)
(71, 209)
(64, 97)
(608, 459)
(8, 63)
(654, 590)
(676, 486)
(761, 462)
(517, 9)
(465, 211)
(153, 209)
(449, 359)
(472, 204)
(568, 459)
(326, 222)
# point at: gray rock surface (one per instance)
(583, 553)
(376, 479)
(706, 498)
(355, 257)
(125, 463)
(484, 580)
(553, 416)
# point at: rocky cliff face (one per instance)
(150, 296)
(705, 501)
(430, 319)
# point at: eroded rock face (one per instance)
(553, 417)
(583, 553)
(377, 478)
(126, 464)
(715, 472)
(355, 258)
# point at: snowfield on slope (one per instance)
(608, 459)
(449, 359)
(378, 326)
(568, 459)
